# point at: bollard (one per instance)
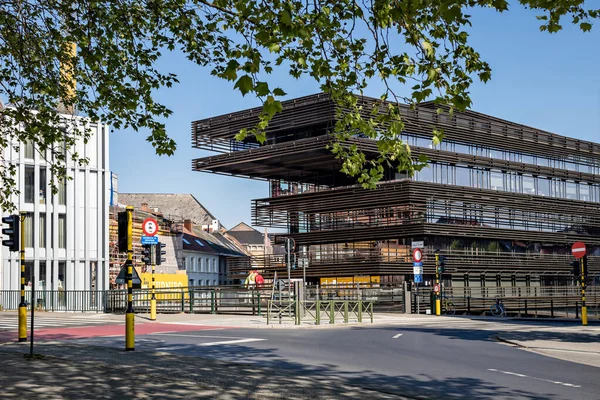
(360, 311)
(345, 312)
(318, 311)
(182, 302)
(191, 294)
(259, 307)
(212, 302)
(332, 311)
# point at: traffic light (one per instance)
(441, 264)
(576, 265)
(290, 245)
(147, 253)
(576, 268)
(159, 253)
(12, 231)
(122, 232)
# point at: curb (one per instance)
(500, 339)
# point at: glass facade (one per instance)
(575, 163)
(508, 181)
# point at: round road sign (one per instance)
(436, 288)
(417, 255)
(578, 249)
(150, 227)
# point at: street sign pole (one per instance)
(584, 319)
(153, 299)
(129, 314)
(579, 249)
(438, 305)
(289, 265)
(22, 305)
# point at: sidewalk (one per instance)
(76, 371)
(581, 347)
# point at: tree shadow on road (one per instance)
(100, 372)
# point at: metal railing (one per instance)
(315, 312)
(55, 300)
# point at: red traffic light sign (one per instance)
(578, 249)
(417, 255)
(150, 227)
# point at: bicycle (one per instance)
(448, 306)
(498, 309)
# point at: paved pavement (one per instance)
(399, 355)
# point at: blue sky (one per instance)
(550, 82)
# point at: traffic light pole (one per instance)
(584, 319)
(22, 305)
(438, 305)
(129, 314)
(289, 264)
(153, 299)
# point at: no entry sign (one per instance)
(578, 249)
(417, 255)
(150, 227)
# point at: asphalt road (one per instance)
(431, 362)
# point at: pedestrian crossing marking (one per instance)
(11, 322)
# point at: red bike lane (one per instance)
(83, 332)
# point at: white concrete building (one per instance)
(67, 232)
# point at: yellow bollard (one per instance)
(130, 331)
(22, 323)
(438, 306)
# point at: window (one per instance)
(42, 185)
(584, 192)
(185, 241)
(29, 234)
(543, 186)
(426, 174)
(462, 176)
(528, 184)
(497, 180)
(42, 230)
(29, 183)
(28, 150)
(199, 242)
(62, 192)
(62, 275)
(62, 231)
(571, 190)
(214, 265)
(207, 264)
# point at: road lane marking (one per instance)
(193, 336)
(230, 342)
(397, 336)
(533, 377)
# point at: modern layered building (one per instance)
(66, 241)
(502, 201)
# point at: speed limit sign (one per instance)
(150, 227)
(436, 288)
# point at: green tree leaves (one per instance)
(416, 47)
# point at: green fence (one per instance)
(318, 311)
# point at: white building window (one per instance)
(29, 183)
(29, 234)
(28, 150)
(42, 230)
(62, 231)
